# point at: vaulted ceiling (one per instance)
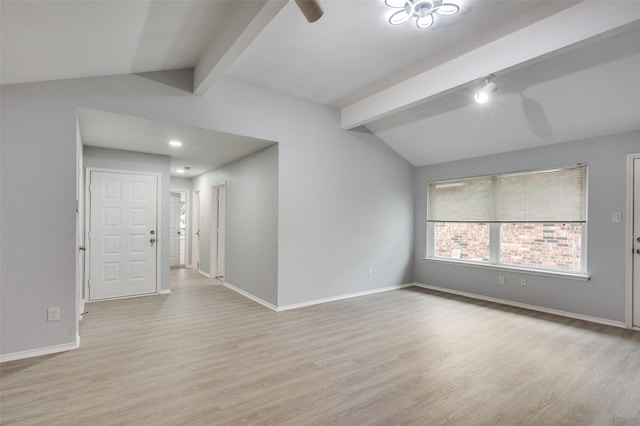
(565, 70)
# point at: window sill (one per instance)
(528, 271)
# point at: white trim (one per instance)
(629, 240)
(87, 221)
(525, 306)
(341, 297)
(540, 272)
(165, 291)
(206, 274)
(251, 296)
(131, 296)
(215, 221)
(41, 351)
(195, 227)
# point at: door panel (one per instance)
(636, 239)
(123, 235)
(195, 252)
(221, 229)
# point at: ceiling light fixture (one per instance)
(180, 171)
(422, 10)
(175, 142)
(483, 95)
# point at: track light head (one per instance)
(483, 95)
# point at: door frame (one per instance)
(87, 220)
(195, 214)
(215, 234)
(80, 230)
(629, 239)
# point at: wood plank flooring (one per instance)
(205, 355)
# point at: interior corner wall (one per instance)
(345, 199)
(604, 295)
(251, 255)
(135, 161)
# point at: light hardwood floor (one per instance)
(206, 355)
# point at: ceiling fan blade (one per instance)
(310, 9)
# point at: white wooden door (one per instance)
(636, 240)
(174, 229)
(123, 234)
(221, 228)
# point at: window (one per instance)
(457, 240)
(533, 220)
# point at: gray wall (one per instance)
(251, 255)
(604, 295)
(345, 199)
(136, 161)
(181, 183)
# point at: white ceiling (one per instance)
(566, 70)
(352, 51)
(60, 39)
(202, 150)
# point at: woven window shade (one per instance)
(558, 195)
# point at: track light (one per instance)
(483, 95)
(310, 9)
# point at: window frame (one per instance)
(494, 246)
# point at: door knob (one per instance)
(637, 251)
(153, 240)
(152, 232)
(82, 248)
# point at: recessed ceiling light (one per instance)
(180, 171)
(175, 143)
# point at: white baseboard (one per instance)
(313, 302)
(165, 291)
(341, 297)
(40, 351)
(251, 296)
(525, 306)
(201, 272)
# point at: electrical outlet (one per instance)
(523, 281)
(501, 279)
(53, 314)
(370, 273)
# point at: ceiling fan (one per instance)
(310, 9)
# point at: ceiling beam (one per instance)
(573, 25)
(241, 26)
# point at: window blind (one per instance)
(558, 195)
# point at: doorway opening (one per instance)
(195, 252)
(218, 231)
(178, 231)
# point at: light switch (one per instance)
(616, 217)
